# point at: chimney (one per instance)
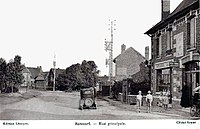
(147, 52)
(40, 68)
(123, 48)
(165, 8)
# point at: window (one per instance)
(165, 77)
(191, 28)
(158, 46)
(169, 42)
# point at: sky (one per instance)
(74, 30)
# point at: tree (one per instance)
(117, 88)
(18, 71)
(71, 79)
(90, 72)
(14, 76)
(78, 76)
(10, 75)
(2, 73)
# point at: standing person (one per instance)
(149, 99)
(186, 96)
(139, 101)
(160, 101)
(165, 101)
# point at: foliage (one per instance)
(2, 73)
(11, 73)
(142, 86)
(78, 76)
(117, 88)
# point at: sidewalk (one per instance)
(185, 112)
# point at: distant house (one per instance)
(27, 77)
(33, 77)
(127, 63)
(50, 77)
(39, 81)
(46, 74)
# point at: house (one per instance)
(45, 74)
(175, 46)
(127, 63)
(27, 77)
(33, 77)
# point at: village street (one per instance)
(47, 105)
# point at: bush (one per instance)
(9, 90)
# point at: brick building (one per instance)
(127, 63)
(175, 45)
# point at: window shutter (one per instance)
(160, 45)
(157, 47)
(168, 40)
(188, 35)
(192, 32)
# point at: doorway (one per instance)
(192, 73)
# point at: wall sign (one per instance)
(164, 64)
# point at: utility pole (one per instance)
(54, 73)
(109, 48)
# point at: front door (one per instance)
(192, 75)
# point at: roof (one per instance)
(182, 9)
(25, 70)
(183, 5)
(126, 51)
(58, 71)
(40, 77)
(45, 74)
(34, 71)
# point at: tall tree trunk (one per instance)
(12, 89)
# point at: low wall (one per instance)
(132, 99)
(120, 97)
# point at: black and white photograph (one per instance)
(91, 62)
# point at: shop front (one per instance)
(191, 65)
(168, 78)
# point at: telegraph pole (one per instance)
(109, 48)
(54, 73)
